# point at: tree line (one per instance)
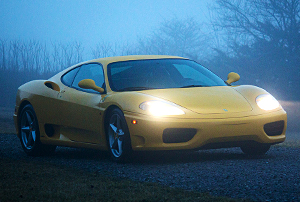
(258, 39)
(261, 39)
(22, 61)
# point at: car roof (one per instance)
(108, 60)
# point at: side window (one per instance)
(68, 78)
(90, 71)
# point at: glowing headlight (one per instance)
(159, 108)
(267, 102)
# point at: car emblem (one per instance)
(225, 110)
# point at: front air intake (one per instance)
(178, 135)
(274, 128)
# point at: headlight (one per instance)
(160, 108)
(267, 102)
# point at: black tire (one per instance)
(118, 137)
(30, 134)
(255, 148)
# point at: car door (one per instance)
(81, 111)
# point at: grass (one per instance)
(34, 181)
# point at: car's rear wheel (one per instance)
(118, 137)
(255, 148)
(30, 133)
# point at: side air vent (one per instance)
(52, 85)
(49, 130)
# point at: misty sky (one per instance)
(91, 21)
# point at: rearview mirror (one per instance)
(90, 84)
(232, 77)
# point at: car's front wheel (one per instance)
(118, 137)
(255, 148)
(30, 133)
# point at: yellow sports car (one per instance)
(136, 103)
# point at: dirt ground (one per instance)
(6, 120)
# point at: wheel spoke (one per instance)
(120, 146)
(29, 119)
(114, 128)
(115, 144)
(33, 134)
(29, 140)
(25, 129)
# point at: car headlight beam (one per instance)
(267, 102)
(160, 108)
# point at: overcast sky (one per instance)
(91, 21)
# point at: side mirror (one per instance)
(232, 77)
(90, 84)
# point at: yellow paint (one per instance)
(219, 114)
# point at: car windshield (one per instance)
(160, 74)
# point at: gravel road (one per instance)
(222, 172)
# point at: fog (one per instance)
(92, 21)
(40, 38)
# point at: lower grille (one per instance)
(178, 135)
(274, 128)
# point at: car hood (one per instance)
(207, 100)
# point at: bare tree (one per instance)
(78, 51)
(3, 52)
(64, 55)
(34, 56)
(183, 37)
(22, 61)
(260, 36)
(271, 23)
(103, 49)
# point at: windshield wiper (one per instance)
(135, 88)
(190, 86)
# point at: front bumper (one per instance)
(147, 133)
